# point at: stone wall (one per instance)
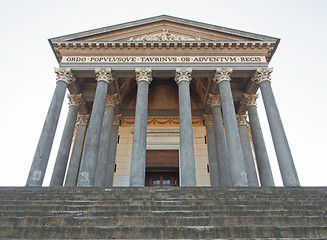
(160, 137)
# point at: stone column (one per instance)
(112, 152)
(42, 153)
(88, 165)
(187, 173)
(104, 147)
(234, 146)
(76, 155)
(213, 163)
(265, 173)
(247, 151)
(138, 160)
(59, 170)
(283, 152)
(224, 168)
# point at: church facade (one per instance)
(163, 101)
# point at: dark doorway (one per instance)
(162, 168)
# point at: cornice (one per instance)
(165, 44)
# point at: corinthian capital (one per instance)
(183, 74)
(249, 99)
(104, 74)
(75, 99)
(214, 100)
(64, 75)
(262, 74)
(222, 74)
(241, 119)
(112, 100)
(143, 74)
(83, 119)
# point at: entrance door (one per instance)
(162, 168)
(160, 179)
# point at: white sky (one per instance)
(298, 80)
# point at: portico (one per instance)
(163, 83)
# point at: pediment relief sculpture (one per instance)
(165, 35)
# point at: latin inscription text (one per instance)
(168, 59)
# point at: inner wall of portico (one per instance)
(160, 137)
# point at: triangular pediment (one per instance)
(162, 28)
(162, 31)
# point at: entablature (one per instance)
(191, 48)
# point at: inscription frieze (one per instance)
(163, 59)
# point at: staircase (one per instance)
(163, 213)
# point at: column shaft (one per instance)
(234, 145)
(248, 156)
(138, 161)
(213, 164)
(283, 152)
(59, 169)
(265, 173)
(88, 164)
(224, 168)
(103, 155)
(112, 156)
(186, 161)
(75, 158)
(42, 153)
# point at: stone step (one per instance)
(165, 200)
(162, 202)
(105, 195)
(167, 232)
(109, 195)
(122, 191)
(161, 195)
(230, 199)
(158, 198)
(293, 238)
(131, 202)
(186, 213)
(165, 221)
(166, 213)
(154, 207)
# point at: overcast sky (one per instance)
(298, 81)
